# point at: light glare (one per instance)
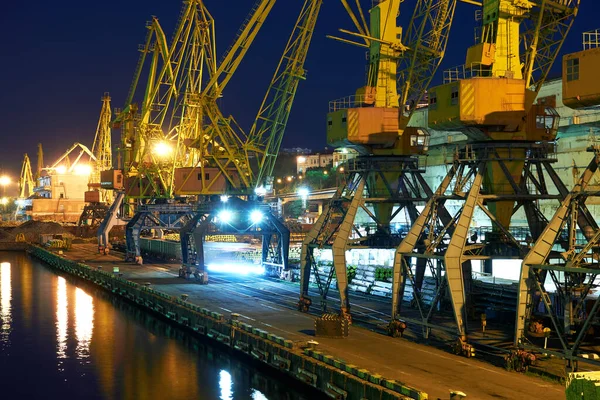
(238, 269)
(162, 149)
(256, 216)
(225, 216)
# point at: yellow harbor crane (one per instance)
(386, 177)
(26, 185)
(98, 199)
(505, 166)
(26, 182)
(567, 251)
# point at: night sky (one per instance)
(60, 57)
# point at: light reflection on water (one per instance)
(225, 384)
(5, 300)
(84, 322)
(62, 318)
(79, 342)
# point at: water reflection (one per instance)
(62, 318)
(225, 384)
(5, 299)
(84, 322)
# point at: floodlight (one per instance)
(256, 216)
(225, 216)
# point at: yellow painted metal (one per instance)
(479, 102)
(581, 86)
(102, 149)
(26, 182)
(495, 181)
(481, 54)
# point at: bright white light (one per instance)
(260, 191)
(84, 322)
(4, 180)
(256, 216)
(162, 149)
(238, 269)
(62, 317)
(83, 169)
(20, 202)
(256, 395)
(301, 159)
(224, 198)
(226, 385)
(4, 201)
(303, 192)
(225, 216)
(5, 303)
(61, 169)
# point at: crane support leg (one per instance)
(339, 248)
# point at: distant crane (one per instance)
(26, 185)
(98, 199)
(26, 182)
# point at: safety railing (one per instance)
(591, 39)
(474, 70)
(352, 101)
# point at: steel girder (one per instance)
(275, 235)
(573, 262)
(450, 249)
(378, 181)
(154, 216)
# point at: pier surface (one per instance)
(266, 303)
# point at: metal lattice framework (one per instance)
(573, 264)
(544, 34)
(26, 182)
(498, 176)
(102, 148)
(426, 40)
(180, 112)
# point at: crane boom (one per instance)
(269, 126)
(26, 182)
(426, 40)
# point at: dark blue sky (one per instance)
(60, 57)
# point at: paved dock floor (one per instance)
(420, 366)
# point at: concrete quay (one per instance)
(418, 366)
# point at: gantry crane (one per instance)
(98, 199)
(386, 178)
(565, 252)
(507, 160)
(177, 143)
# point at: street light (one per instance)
(4, 182)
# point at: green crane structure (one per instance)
(176, 141)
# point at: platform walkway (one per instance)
(423, 367)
